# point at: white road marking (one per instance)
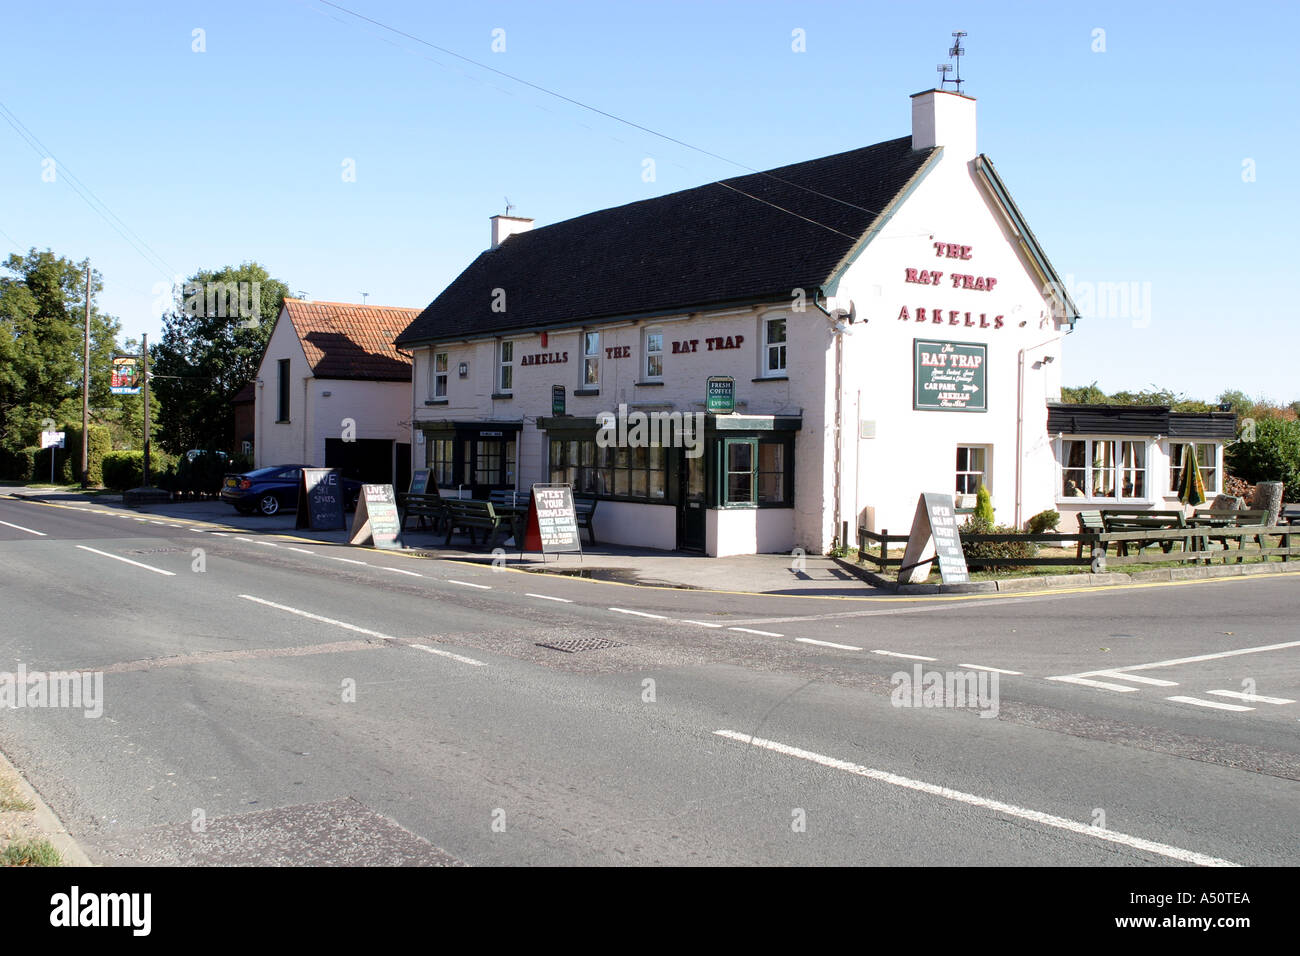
(200, 530)
(118, 557)
(414, 574)
(997, 806)
(750, 630)
(21, 528)
(242, 538)
(220, 534)
(1152, 681)
(1084, 681)
(344, 560)
(151, 521)
(470, 584)
(547, 597)
(1200, 657)
(1215, 704)
(141, 519)
(910, 657)
(302, 550)
(269, 544)
(996, 670)
(702, 623)
(1253, 698)
(840, 647)
(360, 630)
(623, 610)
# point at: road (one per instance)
(270, 700)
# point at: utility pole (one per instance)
(85, 392)
(144, 341)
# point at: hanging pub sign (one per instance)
(125, 376)
(934, 535)
(376, 521)
(949, 376)
(552, 525)
(557, 399)
(721, 395)
(320, 500)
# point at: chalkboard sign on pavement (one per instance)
(934, 534)
(320, 500)
(552, 522)
(419, 481)
(376, 519)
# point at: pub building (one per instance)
(888, 321)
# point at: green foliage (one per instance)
(1274, 455)
(984, 505)
(1176, 401)
(124, 470)
(31, 852)
(1084, 395)
(212, 352)
(200, 475)
(975, 550)
(99, 445)
(18, 464)
(1044, 521)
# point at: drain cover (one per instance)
(580, 644)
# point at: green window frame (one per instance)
(739, 473)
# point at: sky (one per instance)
(1151, 147)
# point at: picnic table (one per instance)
(1206, 519)
(1116, 519)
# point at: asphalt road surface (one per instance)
(270, 700)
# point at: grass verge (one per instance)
(31, 852)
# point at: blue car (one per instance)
(274, 489)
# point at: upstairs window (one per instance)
(774, 333)
(282, 390)
(591, 360)
(654, 356)
(506, 368)
(438, 376)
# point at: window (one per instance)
(1207, 462)
(774, 347)
(771, 473)
(636, 473)
(738, 455)
(1103, 468)
(971, 466)
(282, 384)
(506, 368)
(494, 462)
(591, 360)
(438, 376)
(439, 460)
(654, 356)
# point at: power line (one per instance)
(618, 119)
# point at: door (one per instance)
(691, 504)
(489, 464)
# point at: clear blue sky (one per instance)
(1127, 163)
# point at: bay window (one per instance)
(1103, 468)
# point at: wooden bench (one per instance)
(472, 516)
(584, 509)
(1117, 519)
(513, 499)
(1209, 518)
(427, 506)
(1089, 523)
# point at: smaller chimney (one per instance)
(503, 227)
(941, 118)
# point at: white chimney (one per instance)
(503, 227)
(941, 118)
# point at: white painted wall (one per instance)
(274, 443)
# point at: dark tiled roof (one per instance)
(1071, 419)
(343, 340)
(704, 246)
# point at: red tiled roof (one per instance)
(345, 340)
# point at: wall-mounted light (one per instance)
(325, 394)
(464, 369)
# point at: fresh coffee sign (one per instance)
(949, 376)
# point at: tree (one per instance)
(1271, 453)
(1084, 395)
(212, 342)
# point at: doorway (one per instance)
(691, 507)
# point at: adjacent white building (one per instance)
(332, 390)
(888, 320)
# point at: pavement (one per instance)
(272, 700)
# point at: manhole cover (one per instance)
(580, 644)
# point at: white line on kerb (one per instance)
(910, 657)
(750, 630)
(840, 647)
(547, 597)
(21, 528)
(996, 670)
(118, 557)
(1121, 688)
(1254, 698)
(623, 610)
(1036, 816)
(360, 630)
(1213, 704)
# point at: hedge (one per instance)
(19, 464)
(101, 443)
(124, 470)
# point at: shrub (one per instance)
(101, 443)
(18, 464)
(200, 475)
(123, 469)
(1273, 454)
(1044, 521)
(976, 550)
(984, 506)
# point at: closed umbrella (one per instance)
(1191, 489)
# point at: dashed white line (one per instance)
(220, 534)
(300, 550)
(750, 630)
(548, 597)
(1214, 704)
(997, 806)
(1087, 682)
(414, 574)
(1253, 698)
(242, 538)
(21, 528)
(118, 557)
(995, 670)
(441, 653)
(470, 584)
(269, 544)
(344, 560)
(702, 623)
(910, 657)
(840, 647)
(1138, 678)
(623, 610)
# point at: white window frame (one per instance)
(504, 346)
(1171, 444)
(775, 350)
(435, 375)
(589, 359)
(986, 452)
(1148, 497)
(653, 353)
